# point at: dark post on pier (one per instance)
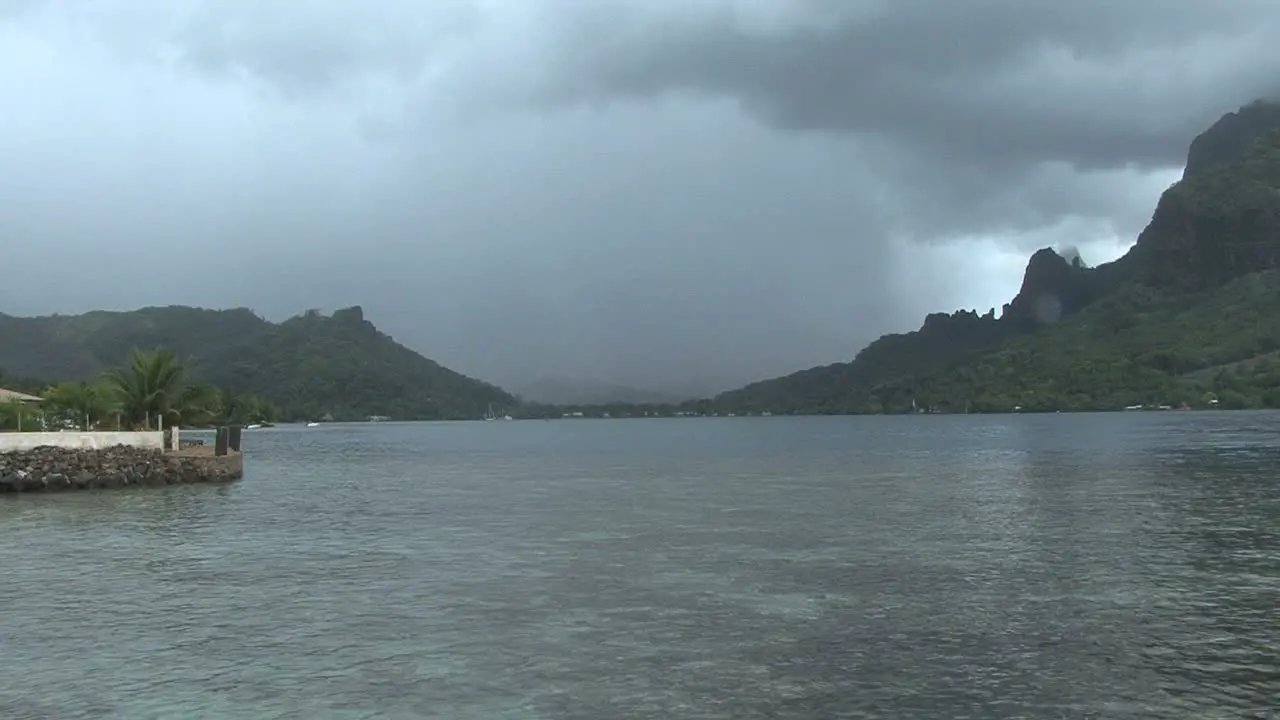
(220, 441)
(233, 437)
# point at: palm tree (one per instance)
(244, 408)
(235, 408)
(197, 405)
(151, 386)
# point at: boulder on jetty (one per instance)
(46, 469)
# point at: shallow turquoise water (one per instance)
(1118, 566)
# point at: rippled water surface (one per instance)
(1066, 566)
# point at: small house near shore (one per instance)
(15, 396)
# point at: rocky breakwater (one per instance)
(51, 469)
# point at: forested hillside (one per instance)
(311, 366)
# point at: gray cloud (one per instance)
(671, 194)
(327, 44)
(989, 116)
(1097, 84)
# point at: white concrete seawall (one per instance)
(19, 442)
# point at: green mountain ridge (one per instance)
(1195, 291)
(311, 365)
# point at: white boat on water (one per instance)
(490, 417)
(254, 426)
(313, 424)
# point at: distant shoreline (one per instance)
(742, 416)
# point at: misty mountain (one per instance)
(1067, 339)
(310, 365)
(565, 391)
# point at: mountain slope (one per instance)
(309, 365)
(1228, 138)
(1220, 223)
(1136, 346)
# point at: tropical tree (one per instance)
(244, 408)
(197, 405)
(148, 386)
(20, 416)
(85, 404)
(153, 386)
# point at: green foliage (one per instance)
(81, 404)
(18, 383)
(245, 409)
(197, 405)
(20, 416)
(342, 367)
(149, 388)
(1216, 225)
(153, 385)
(1137, 346)
(308, 367)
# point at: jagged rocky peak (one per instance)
(353, 314)
(1227, 140)
(1045, 269)
(934, 321)
(1053, 286)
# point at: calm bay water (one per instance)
(1073, 566)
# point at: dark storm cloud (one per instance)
(1093, 83)
(987, 117)
(665, 193)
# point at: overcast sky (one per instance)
(667, 193)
